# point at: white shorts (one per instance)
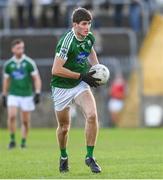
(24, 103)
(62, 97)
(115, 105)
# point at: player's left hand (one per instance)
(36, 98)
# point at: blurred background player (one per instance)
(117, 93)
(70, 83)
(19, 71)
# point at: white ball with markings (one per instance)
(102, 72)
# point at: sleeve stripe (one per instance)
(68, 47)
(5, 75)
(67, 39)
(32, 63)
(66, 44)
(33, 73)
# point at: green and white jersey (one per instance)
(75, 54)
(20, 73)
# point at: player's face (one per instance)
(83, 28)
(18, 49)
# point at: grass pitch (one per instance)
(122, 153)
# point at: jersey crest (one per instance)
(82, 57)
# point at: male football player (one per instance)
(71, 82)
(20, 72)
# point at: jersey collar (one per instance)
(76, 36)
(18, 60)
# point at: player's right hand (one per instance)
(89, 79)
(4, 101)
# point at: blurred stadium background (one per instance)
(128, 40)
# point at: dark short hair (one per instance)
(81, 14)
(16, 41)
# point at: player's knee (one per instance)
(64, 129)
(91, 117)
(12, 118)
(25, 123)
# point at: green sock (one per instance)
(23, 141)
(90, 151)
(12, 137)
(63, 152)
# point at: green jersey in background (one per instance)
(20, 73)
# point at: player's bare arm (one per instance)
(93, 60)
(6, 82)
(37, 82)
(59, 70)
(37, 85)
